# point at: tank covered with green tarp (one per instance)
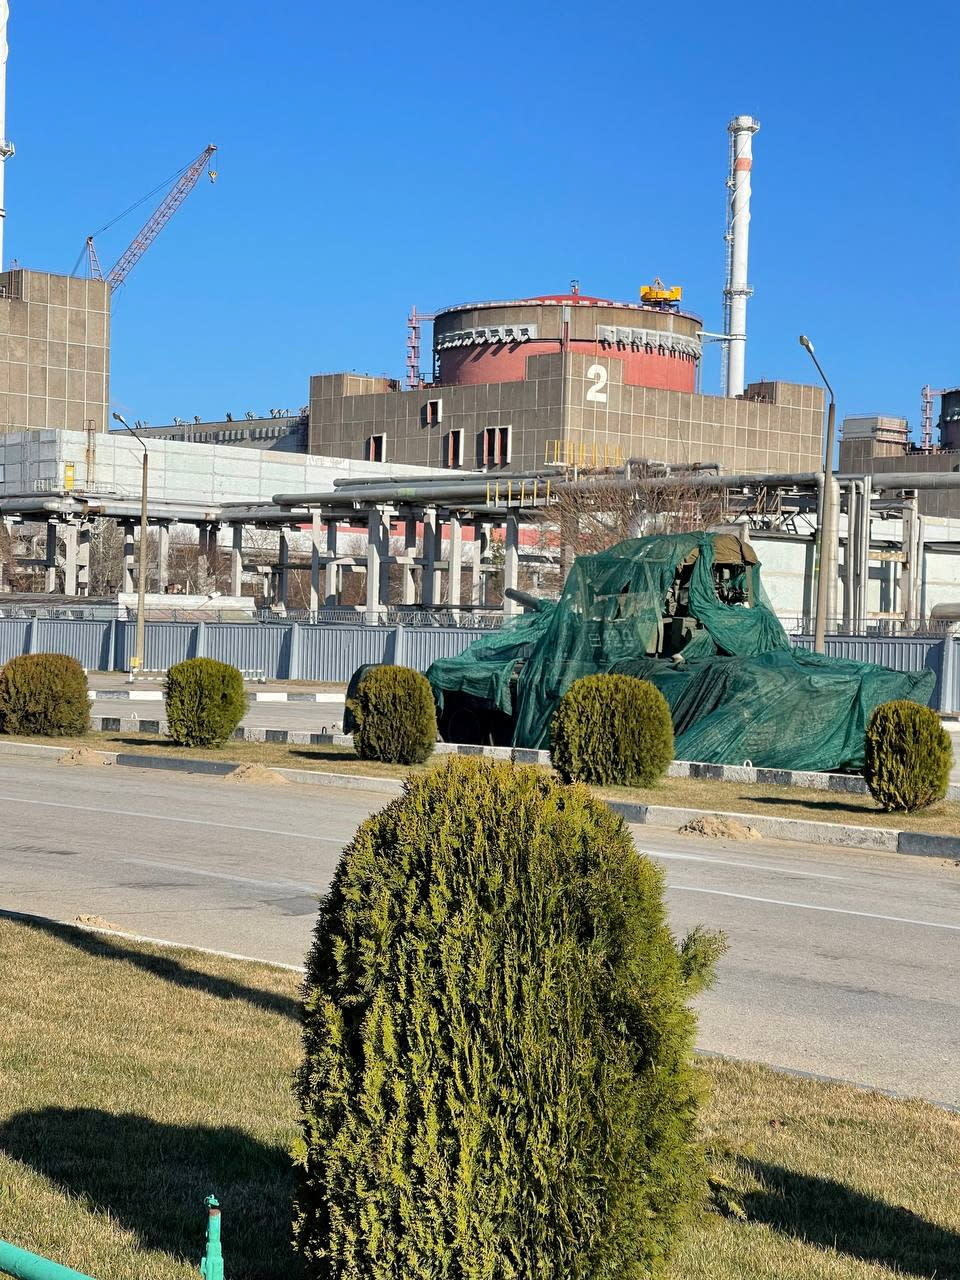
(688, 613)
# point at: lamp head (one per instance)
(119, 418)
(805, 342)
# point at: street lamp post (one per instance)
(137, 663)
(827, 514)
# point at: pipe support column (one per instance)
(511, 562)
(236, 560)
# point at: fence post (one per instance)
(112, 646)
(947, 669)
(200, 640)
(293, 653)
(30, 638)
(399, 645)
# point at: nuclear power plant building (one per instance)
(565, 379)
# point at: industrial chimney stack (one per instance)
(6, 148)
(737, 290)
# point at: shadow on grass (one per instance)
(831, 1215)
(165, 967)
(341, 755)
(837, 805)
(152, 1178)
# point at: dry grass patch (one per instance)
(136, 1080)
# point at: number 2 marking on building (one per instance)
(596, 390)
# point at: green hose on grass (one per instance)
(31, 1266)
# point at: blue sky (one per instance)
(373, 156)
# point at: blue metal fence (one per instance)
(332, 652)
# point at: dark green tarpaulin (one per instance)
(737, 692)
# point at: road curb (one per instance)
(350, 781)
(157, 695)
(836, 834)
(246, 733)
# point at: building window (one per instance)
(453, 448)
(375, 448)
(434, 412)
(495, 446)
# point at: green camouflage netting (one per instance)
(737, 690)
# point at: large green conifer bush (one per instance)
(45, 694)
(908, 756)
(497, 1078)
(394, 716)
(612, 730)
(205, 702)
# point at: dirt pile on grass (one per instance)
(717, 828)
(82, 756)
(258, 773)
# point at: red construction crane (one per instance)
(186, 180)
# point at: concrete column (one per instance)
(428, 577)
(283, 567)
(849, 558)
(511, 562)
(408, 577)
(909, 567)
(50, 573)
(832, 553)
(331, 573)
(203, 554)
(236, 560)
(864, 575)
(70, 558)
(163, 557)
(83, 559)
(378, 544)
(128, 550)
(481, 550)
(454, 559)
(316, 523)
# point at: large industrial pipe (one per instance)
(737, 290)
(886, 481)
(464, 477)
(801, 479)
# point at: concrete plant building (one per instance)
(565, 379)
(876, 445)
(54, 351)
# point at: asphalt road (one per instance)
(843, 964)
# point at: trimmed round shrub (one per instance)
(44, 693)
(394, 715)
(205, 702)
(908, 756)
(612, 730)
(497, 1077)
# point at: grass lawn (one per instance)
(135, 1081)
